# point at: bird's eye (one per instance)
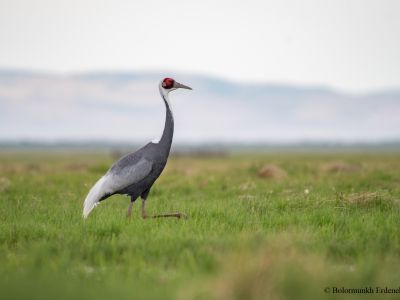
(168, 83)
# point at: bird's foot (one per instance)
(177, 215)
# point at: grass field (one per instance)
(331, 221)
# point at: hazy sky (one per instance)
(351, 45)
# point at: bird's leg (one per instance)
(174, 214)
(129, 213)
(144, 214)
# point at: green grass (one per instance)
(247, 237)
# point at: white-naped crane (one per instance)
(134, 174)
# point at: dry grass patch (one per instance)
(272, 171)
(363, 198)
(264, 272)
(4, 184)
(340, 167)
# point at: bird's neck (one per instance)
(166, 138)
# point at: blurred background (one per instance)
(286, 152)
(264, 73)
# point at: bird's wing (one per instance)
(126, 175)
(116, 179)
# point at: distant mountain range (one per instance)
(124, 106)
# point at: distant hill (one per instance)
(124, 106)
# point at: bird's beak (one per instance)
(178, 85)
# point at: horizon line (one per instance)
(152, 71)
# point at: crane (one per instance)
(134, 174)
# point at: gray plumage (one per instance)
(135, 173)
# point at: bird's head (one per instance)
(168, 84)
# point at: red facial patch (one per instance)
(168, 83)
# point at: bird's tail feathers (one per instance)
(93, 197)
